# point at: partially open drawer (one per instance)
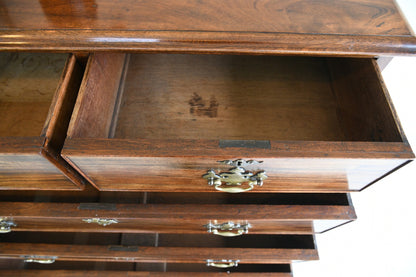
(186, 213)
(181, 122)
(37, 95)
(163, 248)
(91, 273)
(17, 267)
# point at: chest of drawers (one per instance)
(165, 106)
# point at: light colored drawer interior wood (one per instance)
(28, 82)
(37, 95)
(182, 96)
(157, 122)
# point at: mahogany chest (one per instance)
(189, 138)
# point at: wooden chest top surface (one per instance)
(290, 26)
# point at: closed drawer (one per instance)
(161, 248)
(37, 95)
(187, 213)
(172, 122)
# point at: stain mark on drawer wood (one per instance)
(199, 106)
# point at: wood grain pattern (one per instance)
(170, 96)
(148, 165)
(209, 42)
(27, 85)
(39, 91)
(96, 101)
(68, 252)
(372, 17)
(29, 170)
(273, 218)
(175, 108)
(364, 107)
(150, 23)
(91, 273)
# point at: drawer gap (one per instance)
(107, 200)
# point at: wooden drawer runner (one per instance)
(160, 122)
(37, 95)
(187, 213)
(161, 248)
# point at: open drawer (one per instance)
(37, 95)
(163, 248)
(17, 267)
(182, 122)
(186, 213)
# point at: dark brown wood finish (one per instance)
(349, 27)
(176, 109)
(265, 214)
(73, 273)
(38, 90)
(68, 252)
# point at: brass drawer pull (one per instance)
(40, 259)
(222, 263)
(231, 180)
(101, 221)
(228, 229)
(5, 225)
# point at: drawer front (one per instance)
(17, 267)
(236, 218)
(38, 95)
(121, 171)
(73, 273)
(183, 122)
(150, 248)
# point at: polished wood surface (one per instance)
(41, 90)
(296, 168)
(91, 273)
(60, 268)
(171, 113)
(170, 248)
(266, 214)
(69, 252)
(293, 27)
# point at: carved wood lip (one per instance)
(73, 40)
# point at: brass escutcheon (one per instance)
(101, 221)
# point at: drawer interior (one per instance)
(164, 240)
(228, 97)
(331, 199)
(28, 82)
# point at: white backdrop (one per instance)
(382, 242)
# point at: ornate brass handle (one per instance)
(231, 180)
(228, 229)
(222, 263)
(5, 225)
(101, 221)
(40, 259)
